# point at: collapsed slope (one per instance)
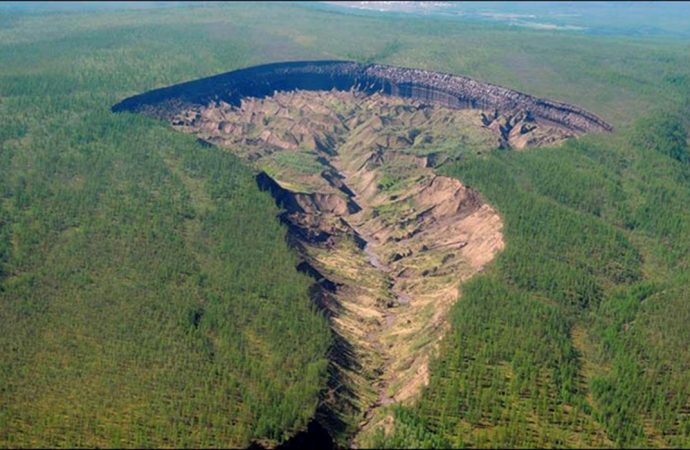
(349, 152)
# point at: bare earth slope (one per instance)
(393, 240)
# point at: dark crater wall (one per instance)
(427, 86)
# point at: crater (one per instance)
(348, 151)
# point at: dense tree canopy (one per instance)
(148, 297)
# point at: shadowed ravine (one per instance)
(349, 151)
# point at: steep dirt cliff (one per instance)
(430, 87)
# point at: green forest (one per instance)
(149, 298)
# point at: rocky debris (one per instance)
(519, 130)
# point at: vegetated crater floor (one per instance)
(352, 162)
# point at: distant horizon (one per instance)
(598, 17)
(628, 18)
